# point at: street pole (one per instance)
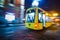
(22, 11)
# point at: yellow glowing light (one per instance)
(56, 19)
(52, 17)
(55, 14)
(47, 14)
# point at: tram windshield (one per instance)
(30, 17)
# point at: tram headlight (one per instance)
(35, 24)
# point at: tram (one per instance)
(36, 19)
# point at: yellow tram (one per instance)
(36, 19)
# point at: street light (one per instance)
(37, 0)
(55, 14)
(35, 3)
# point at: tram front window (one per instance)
(30, 17)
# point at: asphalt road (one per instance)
(51, 33)
(20, 32)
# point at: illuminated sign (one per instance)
(1, 2)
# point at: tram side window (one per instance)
(30, 17)
(48, 19)
(40, 17)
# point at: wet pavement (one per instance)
(20, 32)
(52, 33)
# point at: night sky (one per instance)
(45, 4)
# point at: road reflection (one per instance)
(15, 32)
(51, 33)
